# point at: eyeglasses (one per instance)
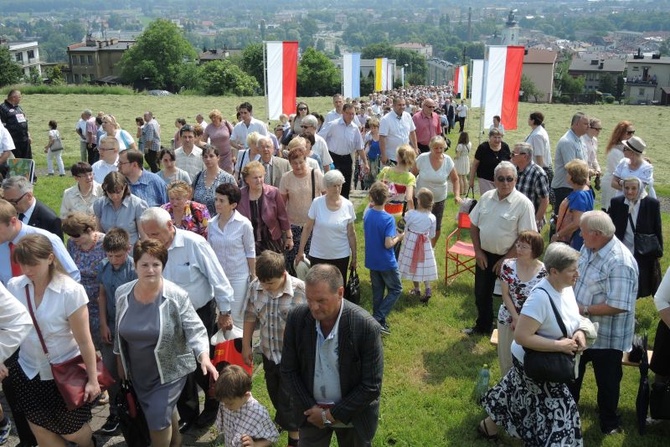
(597, 128)
(121, 163)
(630, 132)
(305, 127)
(508, 179)
(85, 175)
(514, 154)
(15, 201)
(103, 149)
(302, 108)
(430, 107)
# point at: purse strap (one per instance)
(632, 225)
(556, 314)
(313, 185)
(37, 326)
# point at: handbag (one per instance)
(468, 203)
(56, 144)
(646, 244)
(550, 366)
(352, 292)
(132, 421)
(71, 376)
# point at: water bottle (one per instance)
(482, 385)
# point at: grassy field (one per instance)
(430, 366)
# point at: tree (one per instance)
(55, 75)
(156, 58)
(252, 61)
(530, 89)
(317, 75)
(226, 78)
(35, 78)
(607, 84)
(10, 71)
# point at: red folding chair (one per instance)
(460, 254)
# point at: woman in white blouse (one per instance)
(60, 308)
(231, 235)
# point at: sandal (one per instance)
(424, 299)
(483, 431)
(415, 292)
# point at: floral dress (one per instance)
(203, 194)
(196, 217)
(89, 263)
(518, 290)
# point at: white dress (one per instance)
(419, 229)
(462, 162)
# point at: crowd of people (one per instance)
(211, 236)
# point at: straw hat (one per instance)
(635, 144)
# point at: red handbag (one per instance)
(71, 376)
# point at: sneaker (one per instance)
(415, 292)
(111, 426)
(4, 432)
(386, 330)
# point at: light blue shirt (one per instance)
(193, 266)
(151, 188)
(326, 367)
(59, 250)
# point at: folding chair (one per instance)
(459, 252)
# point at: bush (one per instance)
(609, 99)
(566, 99)
(70, 90)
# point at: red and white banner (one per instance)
(281, 65)
(461, 81)
(503, 81)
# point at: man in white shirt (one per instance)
(462, 112)
(395, 129)
(338, 103)
(109, 159)
(80, 128)
(320, 147)
(249, 124)
(189, 156)
(193, 265)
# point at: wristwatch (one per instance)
(585, 311)
(324, 418)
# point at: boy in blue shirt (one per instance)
(115, 271)
(380, 238)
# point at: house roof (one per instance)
(597, 65)
(664, 60)
(536, 56)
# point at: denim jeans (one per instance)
(387, 279)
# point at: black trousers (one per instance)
(423, 147)
(608, 373)
(344, 164)
(92, 154)
(188, 404)
(151, 157)
(281, 399)
(485, 281)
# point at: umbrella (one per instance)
(642, 400)
(131, 417)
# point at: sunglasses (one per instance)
(302, 108)
(508, 179)
(630, 132)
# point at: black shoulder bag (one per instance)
(544, 366)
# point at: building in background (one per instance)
(96, 61)
(26, 54)
(647, 79)
(538, 66)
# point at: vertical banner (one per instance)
(281, 65)
(380, 74)
(462, 87)
(503, 81)
(351, 75)
(477, 84)
(389, 75)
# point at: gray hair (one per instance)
(495, 131)
(311, 121)
(18, 182)
(577, 117)
(325, 273)
(266, 139)
(599, 221)
(333, 177)
(87, 112)
(560, 256)
(524, 148)
(504, 165)
(156, 214)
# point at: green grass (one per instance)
(430, 367)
